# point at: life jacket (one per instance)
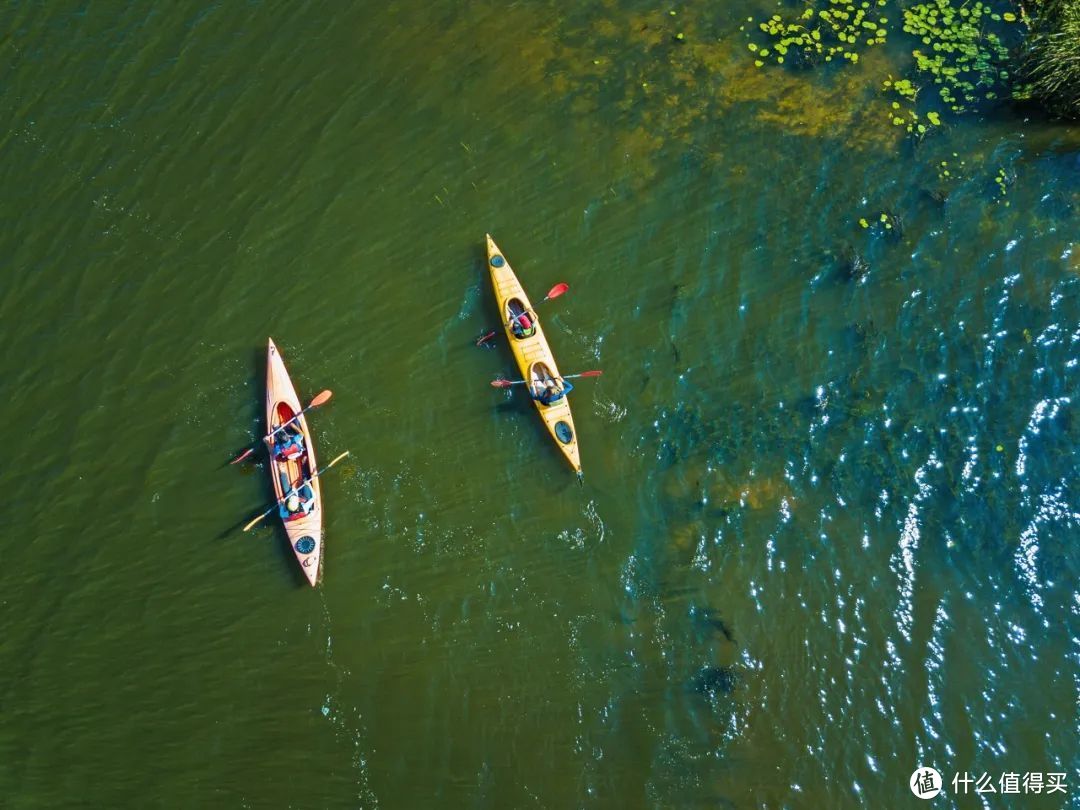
(291, 450)
(292, 447)
(524, 321)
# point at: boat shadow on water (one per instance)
(272, 535)
(287, 559)
(270, 531)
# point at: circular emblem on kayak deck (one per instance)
(305, 545)
(497, 260)
(563, 432)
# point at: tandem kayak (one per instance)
(533, 355)
(292, 462)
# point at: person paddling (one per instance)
(296, 507)
(550, 392)
(522, 326)
(288, 444)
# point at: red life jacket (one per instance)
(526, 324)
(290, 448)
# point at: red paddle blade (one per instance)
(501, 383)
(596, 373)
(557, 290)
(484, 338)
(321, 398)
(243, 455)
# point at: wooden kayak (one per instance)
(533, 355)
(282, 404)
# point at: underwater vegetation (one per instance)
(957, 47)
(854, 266)
(653, 84)
(961, 49)
(659, 81)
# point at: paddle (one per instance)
(295, 488)
(508, 383)
(554, 292)
(315, 403)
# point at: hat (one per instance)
(293, 503)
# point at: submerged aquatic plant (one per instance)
(960, 50)
(830, 29)
(853, 266)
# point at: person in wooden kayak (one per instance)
(298, 503)
(288, 444)
(550, 391)
(522, 326)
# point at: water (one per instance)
(824, 533)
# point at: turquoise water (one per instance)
(826, 528)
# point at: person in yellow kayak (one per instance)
(522, 326)
(550, 392)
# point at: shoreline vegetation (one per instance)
(1051, 65)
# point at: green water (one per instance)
(827, 529)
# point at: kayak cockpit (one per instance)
(521, 320)
(539, 374)
(291, 460)
(544, 387)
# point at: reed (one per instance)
(1052, 59)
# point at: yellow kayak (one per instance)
(533, 355)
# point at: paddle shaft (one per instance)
(566, 377)
(492, 333)
(295, 488)
(558, 290)
(284, 425)
(316, 402)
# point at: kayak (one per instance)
(533, 355)
(282, 404)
